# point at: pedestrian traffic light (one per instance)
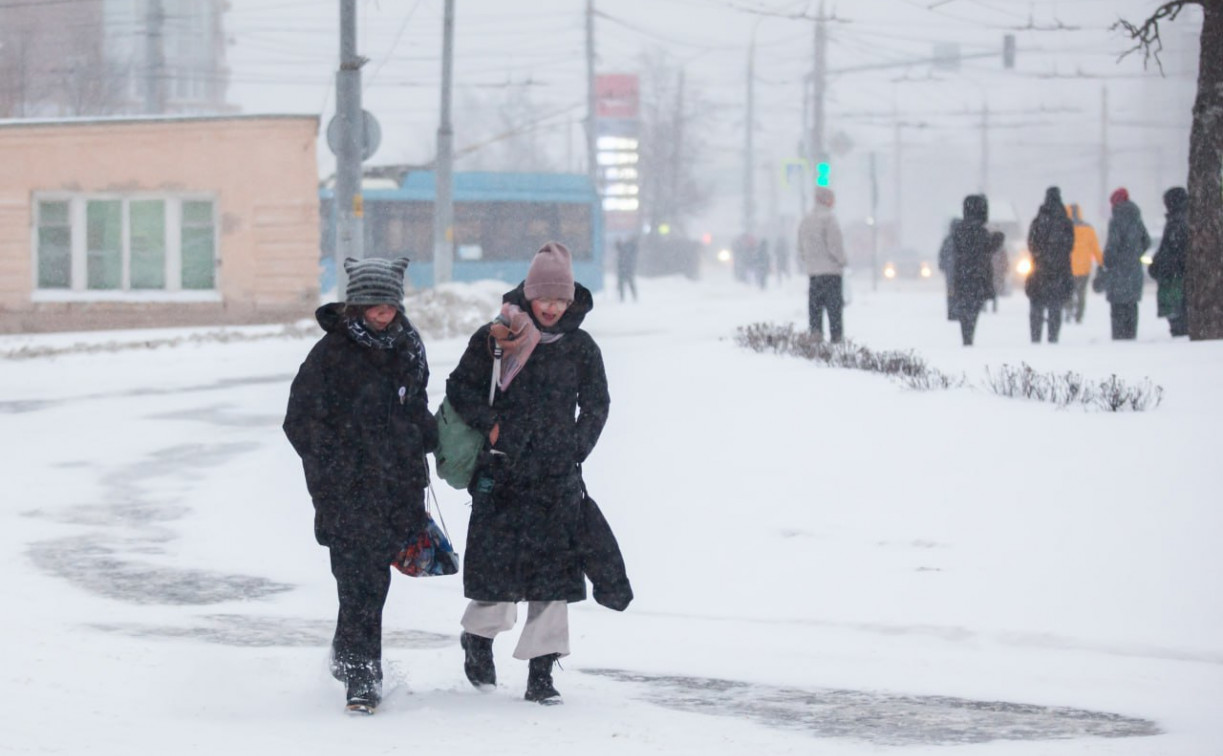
(822, 172)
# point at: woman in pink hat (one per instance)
(548, 408)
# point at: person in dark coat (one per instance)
(548, 408)
(1168, 265)
(972, 271)
(1049, 285)
(946, 263)
(358, 417)
(626, 266)
(1127, 240)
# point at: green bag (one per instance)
(458, 446)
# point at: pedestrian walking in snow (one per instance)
(1086, 250)
(549, 405)
(1127, 240)
(358, 417)
(626, 266)
(973, 248)
(946, 263)
(1168, 265)
(1050, 240)
(822, 252)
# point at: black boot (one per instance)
(364, 689)
(478, 660)
(539, 680)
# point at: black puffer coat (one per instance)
(1168, 264)
(359, 418)
(1050, 240)
(522, 537)
(1127, 240)
(972, 262)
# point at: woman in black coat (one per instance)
(1127, 240)
(972, 271)
(359, 418)
(1049, 285)
(547, 411)
(1168, 265)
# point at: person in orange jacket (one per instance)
(1086, 249)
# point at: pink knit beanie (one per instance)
(551, 274)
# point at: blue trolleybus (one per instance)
(500, 220)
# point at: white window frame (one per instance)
(78, 291)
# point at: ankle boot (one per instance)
(478, 660)
(539, 680)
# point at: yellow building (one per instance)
(157, 221)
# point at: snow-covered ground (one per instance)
(824, 561)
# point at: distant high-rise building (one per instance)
(112, 57)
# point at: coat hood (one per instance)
(330, 317)
(583, 303)
(976, 208)
(1176, 200)
(1127, 211)
(1075, 213)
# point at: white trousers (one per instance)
(546, 630)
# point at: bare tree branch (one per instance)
(1146, 35)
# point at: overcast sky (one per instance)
(1044, 129)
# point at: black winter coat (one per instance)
(359, 418)
(972, 268)
(1050, 240)
(522, 539)
(1127, 240)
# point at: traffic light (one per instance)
(822, 171)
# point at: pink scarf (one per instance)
(517, 340)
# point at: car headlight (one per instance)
(1023, 267)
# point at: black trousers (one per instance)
(1124, 319)
(968, 327)
(1036, 318)
(824, 294)
(362, 578)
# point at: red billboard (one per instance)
(616, 96)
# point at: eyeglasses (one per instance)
(556, 304)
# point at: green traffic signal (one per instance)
(822, 171)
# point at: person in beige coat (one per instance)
(821, 249)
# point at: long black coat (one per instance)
(522, 539)
(1050, 240)
(972, 270)
(1127, 240)
(359, 418)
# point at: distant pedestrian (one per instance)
(762, 264)
(359, 419)
(821, 249)
(1127, 240)
(626, 265)
(972, 275)
(1168, 265)
(1050, 239)
(781, 251)
(1086, 250)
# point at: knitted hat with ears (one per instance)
(551, 274)
(375, 281)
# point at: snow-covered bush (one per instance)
(1064, 389)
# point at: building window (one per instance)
(126, 244)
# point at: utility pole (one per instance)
(350, 230)
(677, 145)
(1103, 198)
(898, 178)
(819, 75)
(749, 168)
(874, 225)
(443, 206)
(154, 59)
(984, 182)
(592, 167)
